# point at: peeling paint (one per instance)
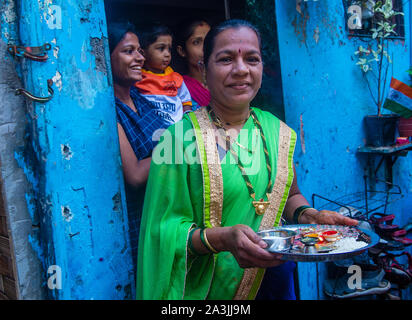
(330, 27)
(66, 151)
(47, 3)
(97, 45)
(9, 12)
(57, 80)
(116, 202)
(56, 52)
(302, 135)
(83, 56)
(9, 21)
(316, 35)
(300, 24)
(298, 7)
(53, 17)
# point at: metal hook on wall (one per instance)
(32, 53)
(34, 98)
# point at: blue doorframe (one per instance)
(72, 157)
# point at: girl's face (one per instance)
(127, 60)
(234, 71)
(159, 54)
(193, 51)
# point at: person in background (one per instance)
(137, 120)
(160, 84)
(190, 36)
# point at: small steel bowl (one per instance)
(278, 239)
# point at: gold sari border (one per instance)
(200, 144)
(212, 167)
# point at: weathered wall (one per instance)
(325, 102)
(15, 185)
(71, 157)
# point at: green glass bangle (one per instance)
(298, 212)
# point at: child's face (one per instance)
(158, 54)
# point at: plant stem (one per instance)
(370, 90)
(380, 76)
(386, 74)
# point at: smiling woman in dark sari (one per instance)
(137, 120)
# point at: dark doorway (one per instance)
(172, 12)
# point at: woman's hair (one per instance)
(185, 29)
(116, 32)
(148, 34)
(209, 43)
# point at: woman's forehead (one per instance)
(235, 39)
(200, 29)
(164, 38)
(129, 38)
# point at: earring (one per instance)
(180, 51)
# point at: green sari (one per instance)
(189, 186)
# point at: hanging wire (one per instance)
(227, 10)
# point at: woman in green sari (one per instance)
(217, 177)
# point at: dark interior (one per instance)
(170, 12)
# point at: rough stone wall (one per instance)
(15, 186)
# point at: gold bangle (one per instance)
(209, 246)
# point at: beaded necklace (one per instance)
(261, 205)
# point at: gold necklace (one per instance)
(229, 123)
(220, 125)
(260, 205)
(256, 133)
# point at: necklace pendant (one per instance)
(260, 206)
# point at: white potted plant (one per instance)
(374, 63)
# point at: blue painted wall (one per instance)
(72, 155)
(325, 101)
